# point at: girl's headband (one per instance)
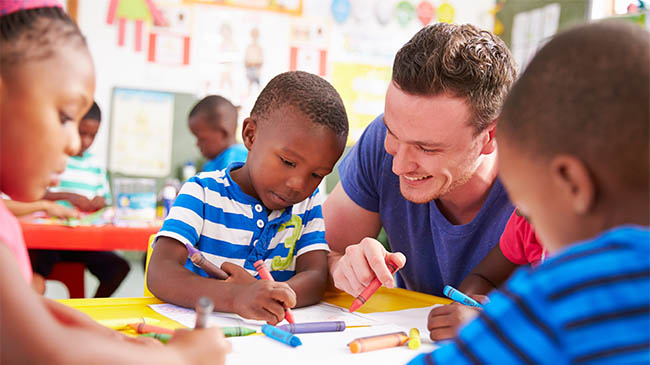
(12, 6)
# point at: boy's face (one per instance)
(209, 139)
(289, 156)
(42, 103)
(536, 195)
(87, 131)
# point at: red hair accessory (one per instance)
(12, 6)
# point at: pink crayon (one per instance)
(266, 275)
(370, 289)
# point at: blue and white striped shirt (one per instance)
(212, 213)
(590, 303)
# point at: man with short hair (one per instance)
(426, 169)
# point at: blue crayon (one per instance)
(311, 327)
(280, 335)
(458, 296)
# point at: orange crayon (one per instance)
(372, 343)
(370, 289)
(266, 275)
(149, 328)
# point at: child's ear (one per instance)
(575, 183)
(488, 135)
(249, 132)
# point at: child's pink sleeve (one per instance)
(519, 243)
(12, 236)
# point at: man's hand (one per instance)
(363, 262)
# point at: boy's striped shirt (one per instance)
(213, 214)
(591, 303)
(84, 176)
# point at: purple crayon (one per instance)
(311, 327)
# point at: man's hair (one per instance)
(34, 34)
(310, 94)
(461, 60)
(218, 110)
(94, 113)
(587, 93)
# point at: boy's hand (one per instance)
(81, 202)
(55, 210)
(445, 321)
(237, 274)
(97, 203)
(263, 300)
(202, 346)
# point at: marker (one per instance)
(149, 328)
(414, 339)
(162, 337)
(203, 309)
(266, 275)
(199, 260)
(237, 331)
(370, 289)
(458, 296)
(280, 335)
(311, 327)
(371, 343)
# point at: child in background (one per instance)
(213, 121)
(266, 209)
(47, 82)
(518, 246)
(575, 161)
(84, 185)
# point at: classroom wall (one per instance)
(357, 40)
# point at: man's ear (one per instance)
(488, 136)
(575, 183)
(249, 132)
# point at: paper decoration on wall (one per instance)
(293, 7)
(425, 12)
(405, 12)
(169, 40)
(383, 11)
(361, 10)
(446, 13)
(340, 10)
(138, 11)
(309, 44)
(498, 25)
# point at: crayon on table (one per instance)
(149, 328)
(414, 339)
(162, 337)
(311, 327)
(204, 307)
(371, 343)
(460, 297)
(371, 289)
(280, 335)
(237, 331)
(199, 260)
(123, 323)
(266, 275)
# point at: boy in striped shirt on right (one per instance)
(574, 156)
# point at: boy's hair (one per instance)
(94, 113)
(458, 59)
(308, 93)
(218, 111)
(33, 34)
(587, 93)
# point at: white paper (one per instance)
(407, 319)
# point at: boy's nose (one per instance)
(72, 139)
(296, 184)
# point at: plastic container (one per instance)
(135, 201)
(189, 170)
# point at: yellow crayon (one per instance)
(414, 339)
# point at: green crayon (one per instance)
(237, 331)
(162, 337)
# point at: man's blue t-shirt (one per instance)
(234, 153)
(438, 253)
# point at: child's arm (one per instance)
(310, 280)
(79, 201)
(170, 281)
(51, 208)
(31, 334)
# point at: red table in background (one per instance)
(84, 238)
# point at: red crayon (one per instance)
(148, 328)
(266, 275)
(370, 289)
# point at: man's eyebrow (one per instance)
(427, 144)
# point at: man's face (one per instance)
(434, 148)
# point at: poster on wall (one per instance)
(141, 132)
(293, 7)
(309, 44)
(362, 88)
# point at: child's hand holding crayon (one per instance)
(237, 274)
(263, 300)
(444, 321)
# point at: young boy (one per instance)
(213, 121)
(266, 209)
(84, 185)
(574, 156)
